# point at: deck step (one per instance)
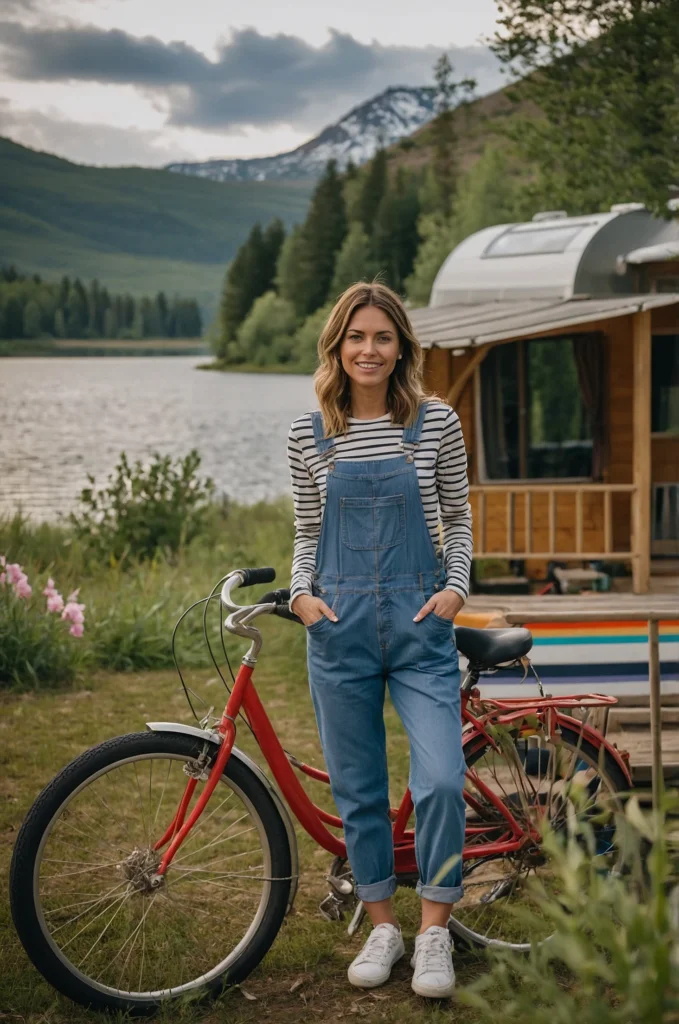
(625, 718)
(629, 700)
(641, 774)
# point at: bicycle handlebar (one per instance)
(252, 576)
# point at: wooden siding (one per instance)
(443, 368)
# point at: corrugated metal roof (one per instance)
(462, 326)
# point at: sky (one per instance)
(116, 82)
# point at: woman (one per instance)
(371, 473)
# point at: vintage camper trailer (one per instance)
(557, 341)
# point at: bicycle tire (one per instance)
(574, 738)
(59, 794)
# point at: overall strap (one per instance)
(324, 445)
(411, 435)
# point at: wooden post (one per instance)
(438, 370)
(657, 778)
(641, 452)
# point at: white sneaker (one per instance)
(373, 964)
(432, 961)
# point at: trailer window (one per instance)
(534, 420)
(665, 384)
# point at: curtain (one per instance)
(590, 361)
(493, 417)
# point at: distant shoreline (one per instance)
(105, 347)
(253, 368)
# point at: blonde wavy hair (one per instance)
(332, 383)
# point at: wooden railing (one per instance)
(484, 495)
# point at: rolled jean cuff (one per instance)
(440, 893)
(376, 891)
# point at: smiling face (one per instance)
(370, 347)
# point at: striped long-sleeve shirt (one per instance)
(441, 464)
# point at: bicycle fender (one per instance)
(211, 736)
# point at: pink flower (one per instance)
(3, 561)
(73, 612)
(14, 572)
(76, 629)
(22, 588)
(74, 596)
(50, 588)
(55, 602)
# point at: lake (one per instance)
(63, 418)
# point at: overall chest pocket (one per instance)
(373, 523)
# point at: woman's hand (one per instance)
(311, 609)
(446, 604)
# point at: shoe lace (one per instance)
(433, 954)
(376, 947)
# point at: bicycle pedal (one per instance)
(331, 908)
(342, 887)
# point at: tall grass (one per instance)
(132, 606)
(613, 956)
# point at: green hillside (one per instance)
(137, 230)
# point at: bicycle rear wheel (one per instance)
(80, 888)
(564, 778)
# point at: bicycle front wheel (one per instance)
(562, 778)
(80, 888)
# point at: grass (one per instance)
(304, 975)
(129, 621)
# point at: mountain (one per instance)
(136, 230)
(393, 115)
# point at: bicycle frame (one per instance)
(499, 838)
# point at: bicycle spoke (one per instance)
(107, 915)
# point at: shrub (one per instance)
(37, 647)
(612, 958)
(266, 331)
(144, 510)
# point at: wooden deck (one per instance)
(627, 724)
(606, 603)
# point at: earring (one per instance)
(401, 356)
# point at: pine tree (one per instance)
(324, 231)
(76, 311)
(273, 239)
(395, 238)
(59, 323)
(373, 187)
(14, 318)
(31, 320)
(354, 261)
(245, 281)
(94, 324)
(291, 269)
(110, 323)
(130, 310)
(448, 94)
(137, 329)
(162, 313)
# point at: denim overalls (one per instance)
(376, 566)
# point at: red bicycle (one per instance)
(161, 864)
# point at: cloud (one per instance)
(86, 143)
(254, 80)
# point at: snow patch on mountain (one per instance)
(383, 120)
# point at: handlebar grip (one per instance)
(280, 598)
(252, 576)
